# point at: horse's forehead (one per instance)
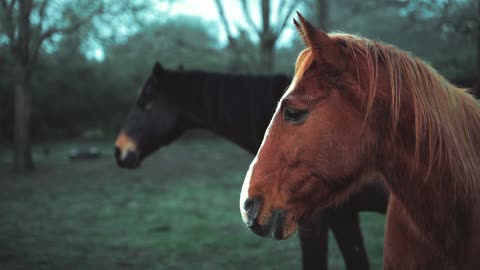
(299, 75)
(308, 84)
(290, 88)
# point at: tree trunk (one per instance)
(266, 55)
(23, 151)
(267, 39)
(322, 14)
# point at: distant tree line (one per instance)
(51, 87)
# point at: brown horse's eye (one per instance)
(294, 115)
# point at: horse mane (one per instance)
(304, 60)
(446, 118)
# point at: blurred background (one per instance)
(71, 69)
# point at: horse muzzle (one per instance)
(126, 153)
(127, 159)
(272, 227)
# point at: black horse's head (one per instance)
(154, 120)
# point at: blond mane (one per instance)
(446, 118)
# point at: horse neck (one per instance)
(439, 195)
(436, 211)
(235, 107)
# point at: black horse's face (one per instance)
(154, 120)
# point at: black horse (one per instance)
(239, 108)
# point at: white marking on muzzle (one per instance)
(124, 154)
(244, 192)
(246, 183)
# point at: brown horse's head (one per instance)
(313, 153)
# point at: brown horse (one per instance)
(359, 108)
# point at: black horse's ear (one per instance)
(157, 69)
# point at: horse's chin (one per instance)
(288, 231)
(131, 166)
(288, 228)
(129, 161)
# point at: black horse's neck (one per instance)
(237, 107)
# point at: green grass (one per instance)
(178, 211)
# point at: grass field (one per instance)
(178, 211)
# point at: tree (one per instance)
(182, 40)
(267, 34)
(453, 19)
(350, 9)
(322, 14)
(26, 26)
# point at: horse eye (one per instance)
(294, 115)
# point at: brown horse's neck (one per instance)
(439, 214)
(438, 194)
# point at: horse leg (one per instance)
(345, 223)
(314, 242)
(346, 229)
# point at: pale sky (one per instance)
(233, 11)
(208, 11)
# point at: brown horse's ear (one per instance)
(324, 48)
(299, 28)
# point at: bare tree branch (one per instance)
(266, 16)
(248, 18)
(282, 6)
(8, 6)
(64, 30)
(7, 21)
(42, 9)
(322, 13)
(368, 6)
(12, 4)
(23, 47)
(224, 21)
(444, 14)
(71, 28)
(279, 29)
(41, 17)
(396, 3)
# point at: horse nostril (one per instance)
(248, 204)
(251, 206)
(278, 222)
(127, 158)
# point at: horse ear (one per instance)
(324, 48)
(299, 28)
(157, 69)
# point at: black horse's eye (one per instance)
(294, 115)
(147, 96)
